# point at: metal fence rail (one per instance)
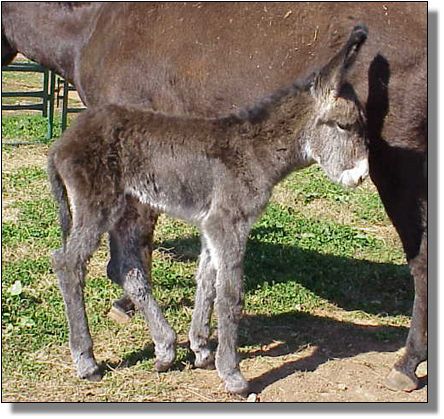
(46, 106)
(67, 87)
(52, 87)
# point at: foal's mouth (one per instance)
(354, 177)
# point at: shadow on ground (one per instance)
(290, 333)
(327, 339)
(374, 288)
(352, 284)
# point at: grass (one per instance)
(318, 252)
(27, 128)
(30, 126)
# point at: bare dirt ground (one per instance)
(313, 358)
(321, 359)
(356, 379)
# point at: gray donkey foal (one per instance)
(215, 173)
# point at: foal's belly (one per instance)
(186, 196)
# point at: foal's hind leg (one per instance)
(146, 219)
(203, 307)
(70, 266)
(134, 278)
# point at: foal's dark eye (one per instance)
(345, 127)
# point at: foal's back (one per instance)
(174, 164)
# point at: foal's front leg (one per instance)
(203, 307)
(227, 241)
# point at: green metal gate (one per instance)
(46, 106)
(52, 87)
(67, 87)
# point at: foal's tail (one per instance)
(59, 192)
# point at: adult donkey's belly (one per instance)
(209, 59)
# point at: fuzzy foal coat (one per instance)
(215, 173)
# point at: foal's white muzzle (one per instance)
(353, 177)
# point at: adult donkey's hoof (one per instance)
(400, 381)
(236, 383)
(118, 315)
(121, 311)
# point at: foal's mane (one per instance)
(71, 5)
(260, 110)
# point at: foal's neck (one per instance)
(279, 135)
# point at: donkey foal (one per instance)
(215, 173)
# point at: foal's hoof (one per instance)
(205, 360)
(236, 383)
(94, 376)
(162, 366)
(90, 372)
(400, 381)
(165, 355)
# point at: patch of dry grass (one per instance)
(14, 158)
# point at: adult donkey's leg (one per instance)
(398, 168)
(134, 278)
(403, 376)
(400, 177)
(226, 241)
(203, 307)
(70, 265)
(146, 219)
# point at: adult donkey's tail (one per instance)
(59, 192)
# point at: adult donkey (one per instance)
(208, 59)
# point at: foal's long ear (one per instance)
(330, 78)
